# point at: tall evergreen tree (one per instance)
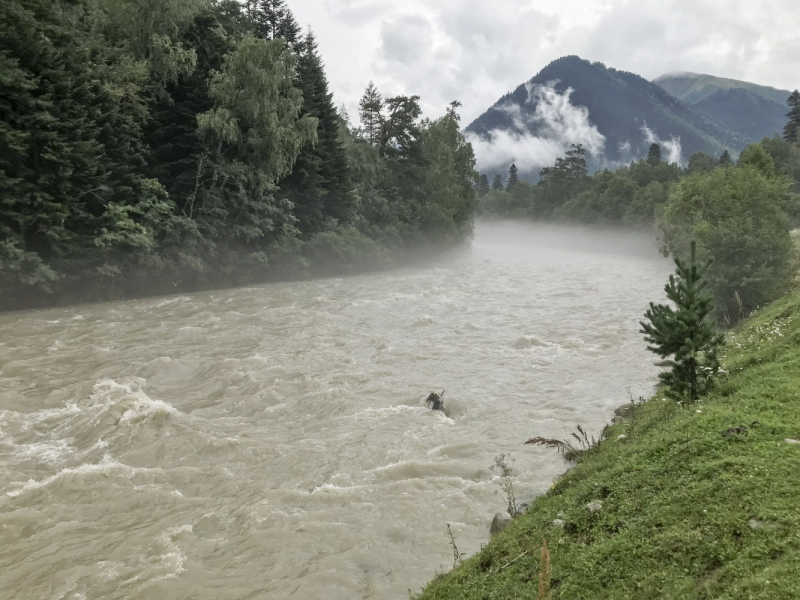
(791, 133)
(369, 112)
(483, 185)
(319, 183)
(497, 184)
(685, 332)
(513, 178)
(273, 20)
(654, 155)
(725, 159)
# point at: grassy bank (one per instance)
(697, 502)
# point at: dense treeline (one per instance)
(740, 214)
(156, 145)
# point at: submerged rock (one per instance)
(435, 401)
(500, 522)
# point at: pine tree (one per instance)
(369, 112)
(791, 133)
(654, 155)
(685, 333)
(725, 159)
(483, 186)
(497, 184)
(319, 183)
(512, 178)
(273, 20)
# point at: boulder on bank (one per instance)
(500, 522)
(625, 411)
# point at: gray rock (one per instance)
(792, 441)
(557, 523)
(624, 411)
(500, 522)
(594, 507)
(618, 420)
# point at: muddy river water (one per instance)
(272, 441)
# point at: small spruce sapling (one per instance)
(686, 332)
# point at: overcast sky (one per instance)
(477, 50)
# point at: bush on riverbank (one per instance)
(697, 503)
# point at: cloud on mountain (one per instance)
(670, 149)
(538, 138)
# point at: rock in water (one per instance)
(500, 522)
(435, 401)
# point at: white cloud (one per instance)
(475, 51)
(557, 124)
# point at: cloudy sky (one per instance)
(477, 50)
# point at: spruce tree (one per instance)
(369, 112)
(725, 159)
(497, 184)
(791, 133)
(512, 178)
(483, 186)
(654, 155)
(686, 332)
(319, 184)
(273, 20)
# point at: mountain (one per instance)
(750, 110)
(629, 111)
(696, 87)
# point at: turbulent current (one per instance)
(273, 441)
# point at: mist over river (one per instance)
(272, 441)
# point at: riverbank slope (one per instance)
(698, 502)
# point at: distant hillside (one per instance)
(751, 111)
(629, 111)
(696, 87)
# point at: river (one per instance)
(272, 441)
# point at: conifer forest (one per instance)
(165, 145)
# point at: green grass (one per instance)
(687, 512)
